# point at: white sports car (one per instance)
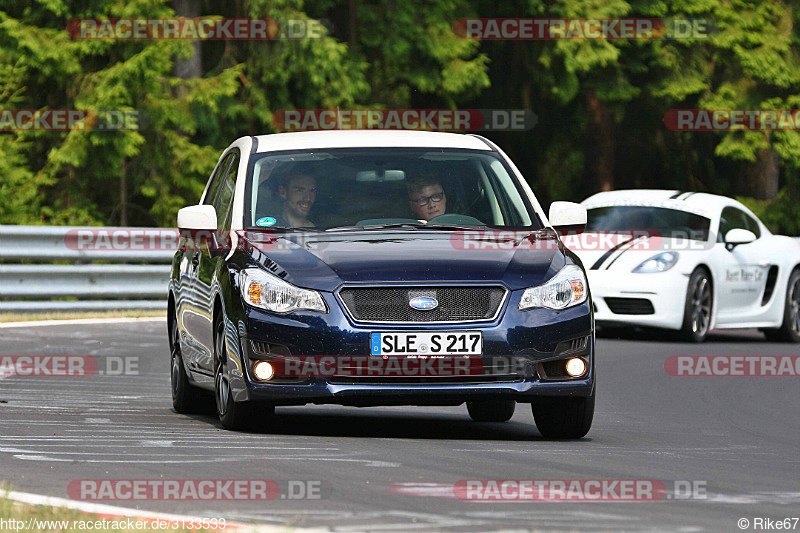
(689, 262)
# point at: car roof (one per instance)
(695, 202)
(368, 139)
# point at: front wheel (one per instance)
(563, 417)
(233, 415)
(491, 410)
(697, 310)
(186, 398)
(790, 329)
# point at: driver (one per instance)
(299, 193)
(426, 197)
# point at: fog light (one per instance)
(576, 367)
(263, 371)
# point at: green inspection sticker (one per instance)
(266, 222)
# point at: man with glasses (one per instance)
(426, 197)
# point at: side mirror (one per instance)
(198, 217)
(567, 216)
(738, 236)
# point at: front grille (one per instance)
(630, 306)
(391, 304)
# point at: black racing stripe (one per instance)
(620, 255)
(606, 255)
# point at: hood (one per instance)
(324, 261)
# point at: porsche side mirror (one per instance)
(738, 236)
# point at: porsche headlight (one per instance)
(658, 263)
(261, 289)
(565, 289)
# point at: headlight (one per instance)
(658, 263)
(261, 289)
(565, 289)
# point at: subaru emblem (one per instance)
(424, 303)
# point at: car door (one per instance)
(742, 271)
(210, 254)
(193, 302)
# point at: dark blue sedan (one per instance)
(374, 268)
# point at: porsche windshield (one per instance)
(659, 220)
(357, 188)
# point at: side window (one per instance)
(731, 218)
(752, 225)
(216, 179)
(224, 201)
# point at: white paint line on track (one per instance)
(111, 510)
(78, 321)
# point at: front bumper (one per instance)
(531, 339)
(666, 292)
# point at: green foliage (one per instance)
(399, 54)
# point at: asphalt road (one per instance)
(393, 469)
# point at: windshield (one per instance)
(356, 188)
(657, 220)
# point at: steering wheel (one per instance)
(455, 218)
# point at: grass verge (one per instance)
(16, 516)
(26, 317)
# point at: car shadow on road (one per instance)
(660, 335)
(377, 422)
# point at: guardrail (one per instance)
(134, 277)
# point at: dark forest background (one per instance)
(600, 104)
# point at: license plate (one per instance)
(427, 343)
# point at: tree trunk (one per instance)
(763, 175)
(191, 67)
(352, 37)
(123, 194)
(599, 146)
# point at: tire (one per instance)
(186, 398)
(563, 417)
(790, 329)
(697, 310)
(233, 415)
(491, 410)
